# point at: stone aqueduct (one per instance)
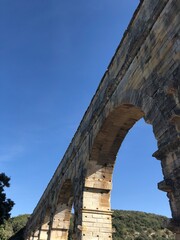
(142, 80)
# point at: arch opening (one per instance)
(137, 173)
(44, 224)
(98, 181)
(62, 212)
(108, 142)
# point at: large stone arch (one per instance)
(142, 80)
(39, 228)
(119, 115)
(62, 211)
(54, 219)
(43, 225)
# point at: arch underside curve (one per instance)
(99, 171)
(62, 213)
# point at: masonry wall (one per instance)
(142, 80)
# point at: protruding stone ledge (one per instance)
(161, 153)
(166, 185)
(94, 211)
(44, 230)
(60, 229)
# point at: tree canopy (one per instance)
(6, 204)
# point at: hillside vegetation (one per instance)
(13, 227)
(132, 225)
(127, 225)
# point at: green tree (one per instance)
(6, 204)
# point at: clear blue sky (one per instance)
(53, 54)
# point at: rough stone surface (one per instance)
(142, 80)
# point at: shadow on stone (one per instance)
(19, 235)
